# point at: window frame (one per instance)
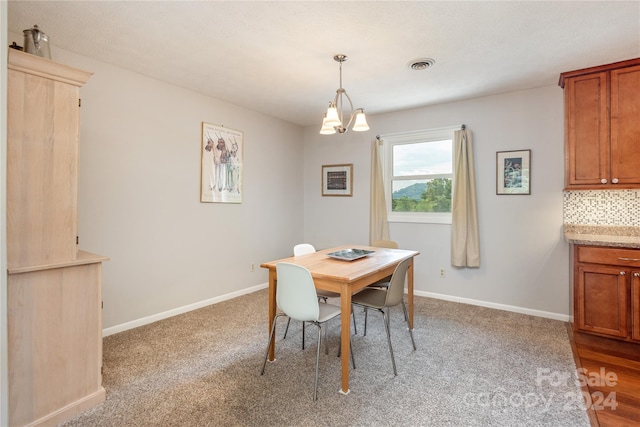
(413, 137)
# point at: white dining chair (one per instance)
(296, 297)
(304, 249)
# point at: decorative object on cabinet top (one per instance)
(602, 235)
(36, 42)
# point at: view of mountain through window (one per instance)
(421, 176)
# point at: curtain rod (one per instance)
(462, 127)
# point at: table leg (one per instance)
(410, 291)
(345, 335)
(272, 311)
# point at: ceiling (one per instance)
(276, 57)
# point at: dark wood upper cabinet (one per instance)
(602, 126)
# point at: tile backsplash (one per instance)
(602, 207)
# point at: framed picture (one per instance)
(513, 172)
(337, 180)
(221, 166)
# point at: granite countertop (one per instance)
(603, 235)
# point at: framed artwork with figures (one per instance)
(221, 166)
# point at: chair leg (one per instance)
(366, 311)
(266, 353)
(326, 341)
(386, 324)
(353, 360)
(284, 336)
(355, 327)
(287, 329)
(406, 318)
(315, 387)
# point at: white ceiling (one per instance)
(276, 57)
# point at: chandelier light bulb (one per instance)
(361, 122)
(326, 128)
(332, 118)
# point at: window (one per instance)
(418, 175)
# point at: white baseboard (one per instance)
(180, 310)
(186, 308)
(512, 308)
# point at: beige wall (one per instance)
(524, 259)
(139, 200)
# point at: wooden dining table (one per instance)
(345, 278)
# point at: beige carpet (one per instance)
(474, 367)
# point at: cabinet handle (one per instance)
(629, 259)
(622, 273)
(614, 180)
(603, 181)
(636, 274)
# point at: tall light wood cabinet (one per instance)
(602, 126)
(54, 291)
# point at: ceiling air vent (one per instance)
(421, 64)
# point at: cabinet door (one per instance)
(625, 126)
(635, 305)
(42, 145)
(587, 130)
(43, 119)
(601, 300)
(55, 342)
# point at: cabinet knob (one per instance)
(622, 273)
(603, 180)
(636, 274)
(614, 180)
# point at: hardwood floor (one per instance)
(609, 372)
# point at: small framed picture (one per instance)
(337, 180)
(513, 172)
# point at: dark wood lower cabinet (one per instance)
(602, 300)
(607, 291)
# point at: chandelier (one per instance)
(333, 119)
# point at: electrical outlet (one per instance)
(253, 267)
(443, 273)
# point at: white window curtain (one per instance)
(378, 225)
(465, 245)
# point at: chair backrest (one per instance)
(390, 244)
(303, 249)
(395, 292)
(296, 293)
